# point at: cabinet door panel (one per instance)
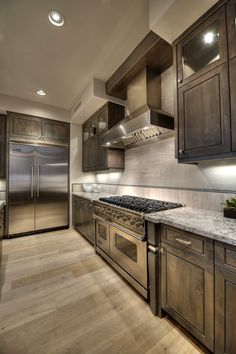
(55, 132)
(204, 121)
(225, 311)
(203, 49)
(102, 154)
(86, 156)
(2, 146)
(25, 127)
(188, 292)
(231, 21)
(232, 70)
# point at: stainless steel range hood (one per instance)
(146, 119)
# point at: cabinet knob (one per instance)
(181, 151)
(180, 81)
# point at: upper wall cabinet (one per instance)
(206, 123)
(231, 20)
(95, 156)
(2, 146)
(232, 70)
(29, 128)
(202, 49)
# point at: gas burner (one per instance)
(142, 205)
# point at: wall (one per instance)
(8, 103)
(170, 18)
(151, 170)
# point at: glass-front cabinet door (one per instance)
(130, 253)
(86, 131)
(102, 121)
(203, 49)
(231, 21)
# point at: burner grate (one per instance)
(143, 205)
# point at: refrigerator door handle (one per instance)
(32, 182)
(38, 181)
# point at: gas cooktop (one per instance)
(143, 205)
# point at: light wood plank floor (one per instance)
(58, 297)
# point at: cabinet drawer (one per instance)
(225, 256)
(188, 241)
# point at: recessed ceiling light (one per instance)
(56, 18)
(41, 93)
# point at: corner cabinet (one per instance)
(2, 146)
(187, 282)
(205, 77)
(95, 156)
(24, 127)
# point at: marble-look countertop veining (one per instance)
(2, 203)
(91, 195)
(203, 222)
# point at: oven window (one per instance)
(127, 247)
(102, 231)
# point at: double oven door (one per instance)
(128, 251)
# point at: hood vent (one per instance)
(145, 118)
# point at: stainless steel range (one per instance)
(121, 235)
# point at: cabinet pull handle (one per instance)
(183, 242)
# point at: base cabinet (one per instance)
(187, 285)
(83, 217)
(2, 146)
(225, 298)
(225, 311)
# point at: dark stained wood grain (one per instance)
(231, 22)
(187, 291)
(152, 52)
(204, 115)
(95, 156)
(203, 49)
(2, 146)
(225, 311)
(232, 71)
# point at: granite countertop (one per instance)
(92, 195)
(2, 203)
(203, 222)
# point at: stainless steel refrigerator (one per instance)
(38, 188)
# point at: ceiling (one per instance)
(97, 37)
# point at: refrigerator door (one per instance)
(51, 187)
(21, 188)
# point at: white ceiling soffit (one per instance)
(98, 35)
(93, 98)
(170, 18)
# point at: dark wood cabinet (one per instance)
(2, 146)
(203, 48)
(24, 127)
(206, 86)
(204, 115)
(232, 70)
(1, 231)
(83, 217)
(55, 132)
(225, 299)
(35, 129)
(95, 156)
(187, 282)
(231, 22)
